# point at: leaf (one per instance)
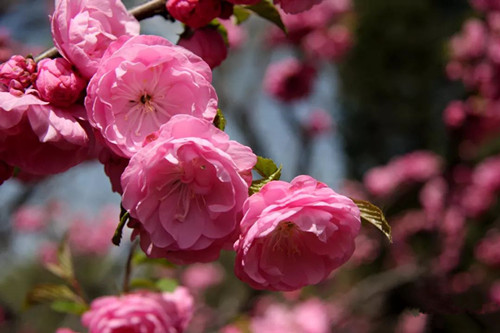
(45, 293)
(268, 170)
(266, 10)
(124, 217)
(265, 166)
(220, 120)
(64, 266)
(167, 284)
(372, 214)
(140, 283)
(241, 14)
(141, 258)
(69, 307)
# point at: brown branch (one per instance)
(141, 12)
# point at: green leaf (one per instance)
(141, 283)
(124, 217)
(167, 284)
(220, 120)
(69, 307)
(265, 166)
(269, 172)
(140, 258)
(47, 293)
(373, 215)
(266, 10)
(64, 266)
(241, 14)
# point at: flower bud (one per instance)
(58, 83)
(18, 73)
(208, 44)
(194, 13)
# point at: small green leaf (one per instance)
(141, 283)
(373, 215)
(47, 293)
(241, 14)
(167, 284)
(124, 217)
(69, 307)
(140, 258)
(265, 166)
(220, 120)
(266, 10)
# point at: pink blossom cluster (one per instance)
(418, 166)
(316, 34)
(475, 60)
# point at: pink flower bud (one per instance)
(18, 73)
(208, 44)
(296, 6)
(318, 122)
(58, 83)
(194, 13)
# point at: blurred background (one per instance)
(393, 101)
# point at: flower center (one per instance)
(282, 238)
(147, 103)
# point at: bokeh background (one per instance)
(384, 96)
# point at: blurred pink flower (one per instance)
(488, 249)
(186, 189)
(82, 30)
(471, 42)
(454, 114)
(289, 79)
(198, 277)
(140, 312)
(140, 84)
(47, 253)
(194, 13)
(318, 122)
(328, 44)
(206, 43)
(432, 197)
(410, 323)
(29, 219)
(236, 35)
(294, 234)
(57, 83)
(296, 6)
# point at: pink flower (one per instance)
(187, 189)
(472, 41)
(94, 238)
(206, 43)
(38, 137)
(289, 79)
(454, 114)
(330, 45)
(296, 6)
(29, 219)
(318, 122)
(199, 277)
(65, 330)
(488, 249)
(311, 316)
(17, 74)
(82, 30)
(294, 234)
(194, 13)
(140, 312)
(57, 83)
(410, 323)
(140, 84)
(244, 2)
(47, 254)
(236, 35)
